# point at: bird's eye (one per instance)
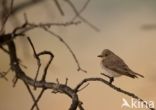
(106, 55)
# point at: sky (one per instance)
(120, 23)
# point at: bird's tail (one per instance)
(139, 75)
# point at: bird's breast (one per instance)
(108, 71)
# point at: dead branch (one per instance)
(32, 96)
(81, 10)
(20, 74)
(58, 87)
(59, 7)
(111, 86)
(68, 47)
(70, 3)
(7, 15)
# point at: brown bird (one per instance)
(115, 66)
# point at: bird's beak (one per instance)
(99, 56)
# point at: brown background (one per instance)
(120, 22)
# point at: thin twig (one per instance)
(32, 96)
(48, 64)
(59, 7)
(5, 50)
(15, 79)
(7, 16)
(26, 4)
(80, 106)
(68, 47)
(81, 10)
(3, 75)
(83, 87)
(38, 98)
(66, 82)
(19, 31)
(82, 18)
(37, 58)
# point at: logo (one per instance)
(134, 103)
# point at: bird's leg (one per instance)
(111, 80)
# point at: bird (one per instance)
(115, 66)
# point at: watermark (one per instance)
(134, 103)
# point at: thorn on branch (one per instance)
(55, 91)
(25, 18)
(57, 80)
(66, 82)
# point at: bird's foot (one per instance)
(111, 80)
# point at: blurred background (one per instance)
(127, 27)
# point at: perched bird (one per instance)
(115, 66)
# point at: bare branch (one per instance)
(41, 84)
(3, 75)
(113, 87)
(5, 50)
(15, 79)
(83, 87)
(32, 96)
(80, 17)
(68, 47)
(80, 106)
(82, 9)
(7, 16)
(58, 87)
(48, 64)
(38, 98)
(66, 82)
(59, 7)
(37, 58)
(26, 4)
(19, 31)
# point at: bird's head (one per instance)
(105, 53)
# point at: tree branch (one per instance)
(69, 2)
(32, 96)
(68, 47)
(111, 86)
(40, 84)
(59, 7)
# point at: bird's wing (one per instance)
(119, 66)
